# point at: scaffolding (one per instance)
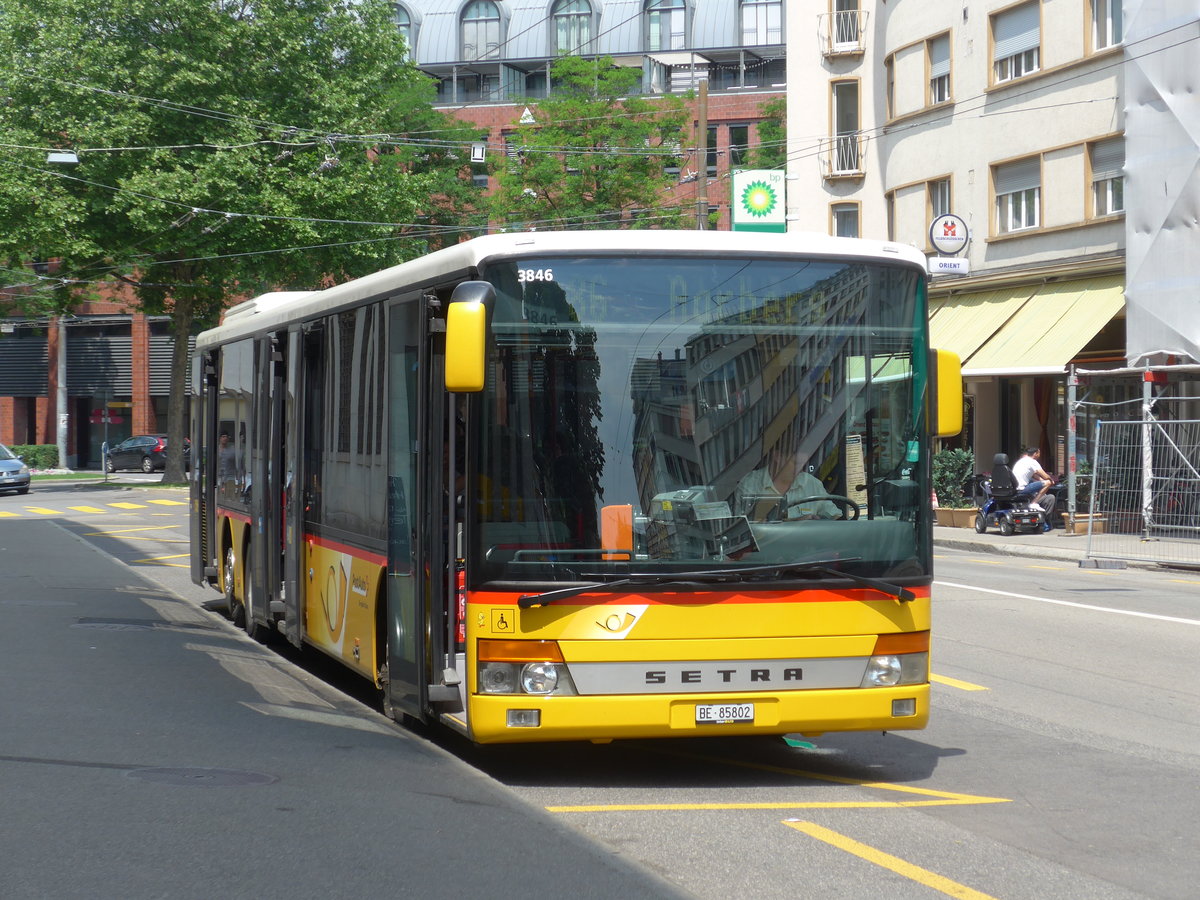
(1138, 494)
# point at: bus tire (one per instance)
(234, 607)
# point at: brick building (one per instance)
(491, 59)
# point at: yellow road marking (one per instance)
(43, 511)
(887, 861)
(9, 515)
(128, 505)
(934, 798)
(159, 560)
(87, 509)
(955, 683)
(168, 502)
(1184, 581)
(129, 530)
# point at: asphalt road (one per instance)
(149, 750)
(1061, 760)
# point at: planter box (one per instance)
(944, 517)
(965, 518)
(1081, 523)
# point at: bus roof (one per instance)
(276, 309)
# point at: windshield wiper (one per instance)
(714, 576)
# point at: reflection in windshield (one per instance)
(699, 411)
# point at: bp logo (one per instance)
(758, 199)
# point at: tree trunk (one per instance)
(177, 422)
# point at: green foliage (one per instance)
(224, 149)
(771, 153)
(594, 156)
(37, 456)
(951, 471)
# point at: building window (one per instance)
(1018, 187)
(739, 146)
(572, 26)
(666, 25)
(939, 198)
(762, 22)
(1107, 160)
(403, 22)
(845, 219)
(1107, 27)
(938, 49)
(481, 31)
(846, 24)
(1016, 36)
(845, 126)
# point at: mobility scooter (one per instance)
(1002, 504)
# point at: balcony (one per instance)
(842, 156)
(842, 33)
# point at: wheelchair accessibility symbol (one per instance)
(502, 621)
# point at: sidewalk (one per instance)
(1056, 544)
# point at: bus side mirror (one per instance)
(945, 393)
(466, 336)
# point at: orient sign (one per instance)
(948, 234)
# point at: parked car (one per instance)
(147, 452)
(14, 474)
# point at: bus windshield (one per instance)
(670, 414)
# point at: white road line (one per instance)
(1107, 609)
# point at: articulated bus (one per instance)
(589, 485)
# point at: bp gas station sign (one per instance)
(758, 202)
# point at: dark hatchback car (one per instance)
(147, 452)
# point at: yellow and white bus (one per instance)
(589, 485)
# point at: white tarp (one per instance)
(1162, 181)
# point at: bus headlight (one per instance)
(539, 678)
(889, 670)
(497, 678)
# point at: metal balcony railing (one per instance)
(842, 32)
(842, 155)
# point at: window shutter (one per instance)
(1017, 30)
(1108, 159)
(1018, 176)
(939, 56)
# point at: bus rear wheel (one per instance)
(237, 612)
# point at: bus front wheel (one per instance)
(237, 612)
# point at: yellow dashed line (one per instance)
(887, 861)
(43, 511)
(9, 515)
(87, 509)
(955, 683)
(168, 502)
(128, 505)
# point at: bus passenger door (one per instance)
(405, 637)
(204, 551)
(292, 512)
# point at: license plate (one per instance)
(720, 713)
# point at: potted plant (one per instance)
(952, 469)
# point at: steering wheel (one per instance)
(850, 509)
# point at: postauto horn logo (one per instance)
(759, 199)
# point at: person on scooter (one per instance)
(1033, 482)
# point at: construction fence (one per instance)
(1142, 497)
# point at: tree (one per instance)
(593, 156)
(225, 147)
(771, 152)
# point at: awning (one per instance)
(1043, 328)
(966, 322)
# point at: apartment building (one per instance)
(492, 58)
(1009, 116)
